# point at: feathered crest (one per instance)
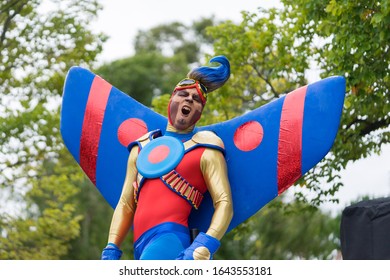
(212, 77)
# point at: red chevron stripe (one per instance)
(92, 126)
(289, 162)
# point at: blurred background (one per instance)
(50, 210)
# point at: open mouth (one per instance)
(185, 110)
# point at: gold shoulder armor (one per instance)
(144, 139)
(208, 137)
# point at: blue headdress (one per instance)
(207, 78)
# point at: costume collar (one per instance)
(183, 135)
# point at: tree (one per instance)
(356, 45)
(162, 56)
(144, 76)
(271, 50)
(39, 42)
(176, 38)
(277, 234)
(50, 220)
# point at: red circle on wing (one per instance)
(130, 130)
(158, 154)
(248, 136)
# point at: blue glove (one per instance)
(203, 248)
(111, 252)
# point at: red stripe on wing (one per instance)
(289, 162)
(92, 126)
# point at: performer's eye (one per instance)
(182, 93)
(196, 98)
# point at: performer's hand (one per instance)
(203, 248)
(111, 252)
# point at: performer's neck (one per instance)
(183, 135)
(171, 128)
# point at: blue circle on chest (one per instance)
(160, 156)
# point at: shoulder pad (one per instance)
(208, 137)
(150, 135)
(140, 142)
(144, 137)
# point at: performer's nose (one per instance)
(190, 99)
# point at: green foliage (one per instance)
(355, 44)
(176, 39)
(271, 50)
(39, 42)
(94, 226)
(357, 47)
(274, 234)
(145, 75)
(162, 56)
(262, 57)
(270, 53)
(49, 221)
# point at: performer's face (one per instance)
(185, 108)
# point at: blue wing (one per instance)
(267, 150)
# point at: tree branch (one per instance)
(9, 19)
(368, 127)
(372, 126)
(276, 94)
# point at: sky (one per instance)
(121, 19)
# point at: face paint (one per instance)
(191, 83)
(185, 108)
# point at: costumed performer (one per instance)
(158, 207)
